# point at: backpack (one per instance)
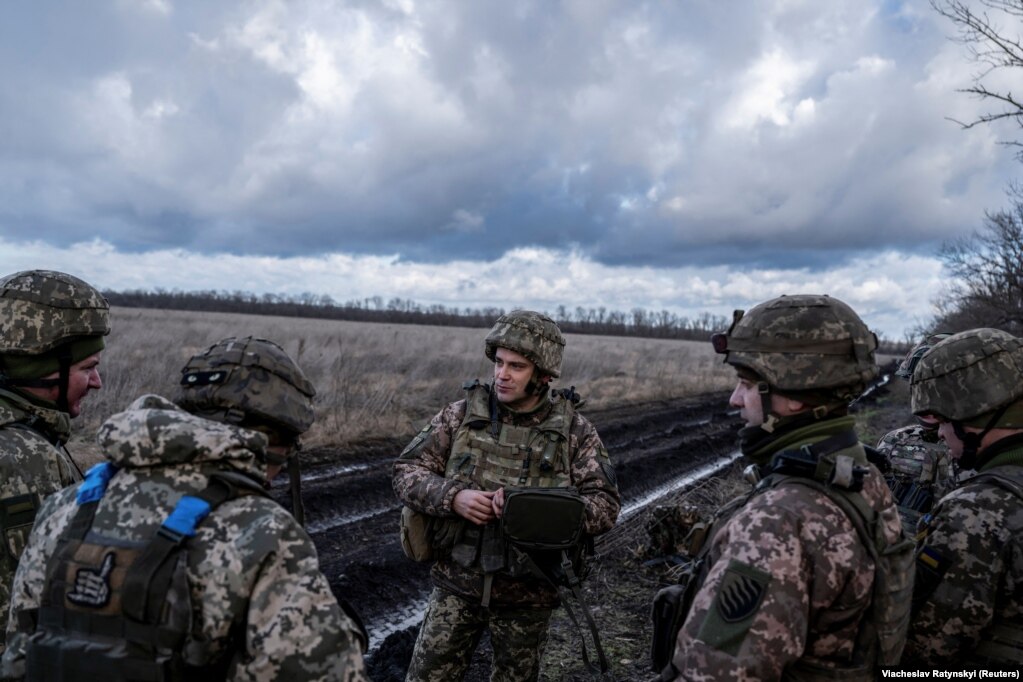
(114, 610)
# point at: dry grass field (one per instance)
(382, 379)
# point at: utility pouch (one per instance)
(416, 531)
(543, 518)
(17, 514)
(425, 537)
(668, 613)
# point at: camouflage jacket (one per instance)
(251, 568)
(969, 568)
(916, 454)
(33, 466)
(419, 482)
(788, 582)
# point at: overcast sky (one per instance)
(692, 155)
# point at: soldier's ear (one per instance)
(787, 406)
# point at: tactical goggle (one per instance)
(720, 342)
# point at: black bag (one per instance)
(668, 613)
(543, 518)
(547, 525)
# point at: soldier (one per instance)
(517, 432)
(918, 463)
(169, 562)
(51, 335)
(968, 599)
(790, 581)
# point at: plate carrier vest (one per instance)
(113, 610)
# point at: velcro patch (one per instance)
(92, 585)
(933, 559)
(207, 378)
(417, 441)
(739, 596)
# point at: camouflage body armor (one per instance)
(1002, 644)
(830, 468)
(918, 471)
(488, 455)
(117, 610)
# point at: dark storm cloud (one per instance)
(791, 134)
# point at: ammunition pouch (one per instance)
(426, 538)
(668, 613)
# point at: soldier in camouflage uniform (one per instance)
(259, 607)
(786, 580)
(918, 473)
(517, 433)
(51, 334)
(968, 600)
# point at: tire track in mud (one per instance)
(352, 514)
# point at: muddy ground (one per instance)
(352, 516)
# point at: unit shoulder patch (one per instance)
(738, 598)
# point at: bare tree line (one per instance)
(987, 266)
(579, 320)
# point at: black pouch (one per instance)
(543, 518)
(668, 613)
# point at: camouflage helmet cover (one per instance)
(803, 343)
(250, 380)
(533, 334)
(969, 374)
(41, 309)
(909, 363)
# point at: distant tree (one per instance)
(990, 30)
(987, 268)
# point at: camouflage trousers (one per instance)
(452, 628)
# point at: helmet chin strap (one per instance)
(65, 378)
(971, 439)
(535, 387)
(770, 418)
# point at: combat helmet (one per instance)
(532, 334)
(973, 378)
(249, 382)
(803, 343)
(909, 363)
(48, 321)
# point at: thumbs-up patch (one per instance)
(92, 585)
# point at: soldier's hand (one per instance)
(474, 505)
(497, 503)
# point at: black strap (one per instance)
(603, 671)
(495, 418)
(148, 580)
(295, 481)
(64, 357)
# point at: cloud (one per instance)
(792, 134)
